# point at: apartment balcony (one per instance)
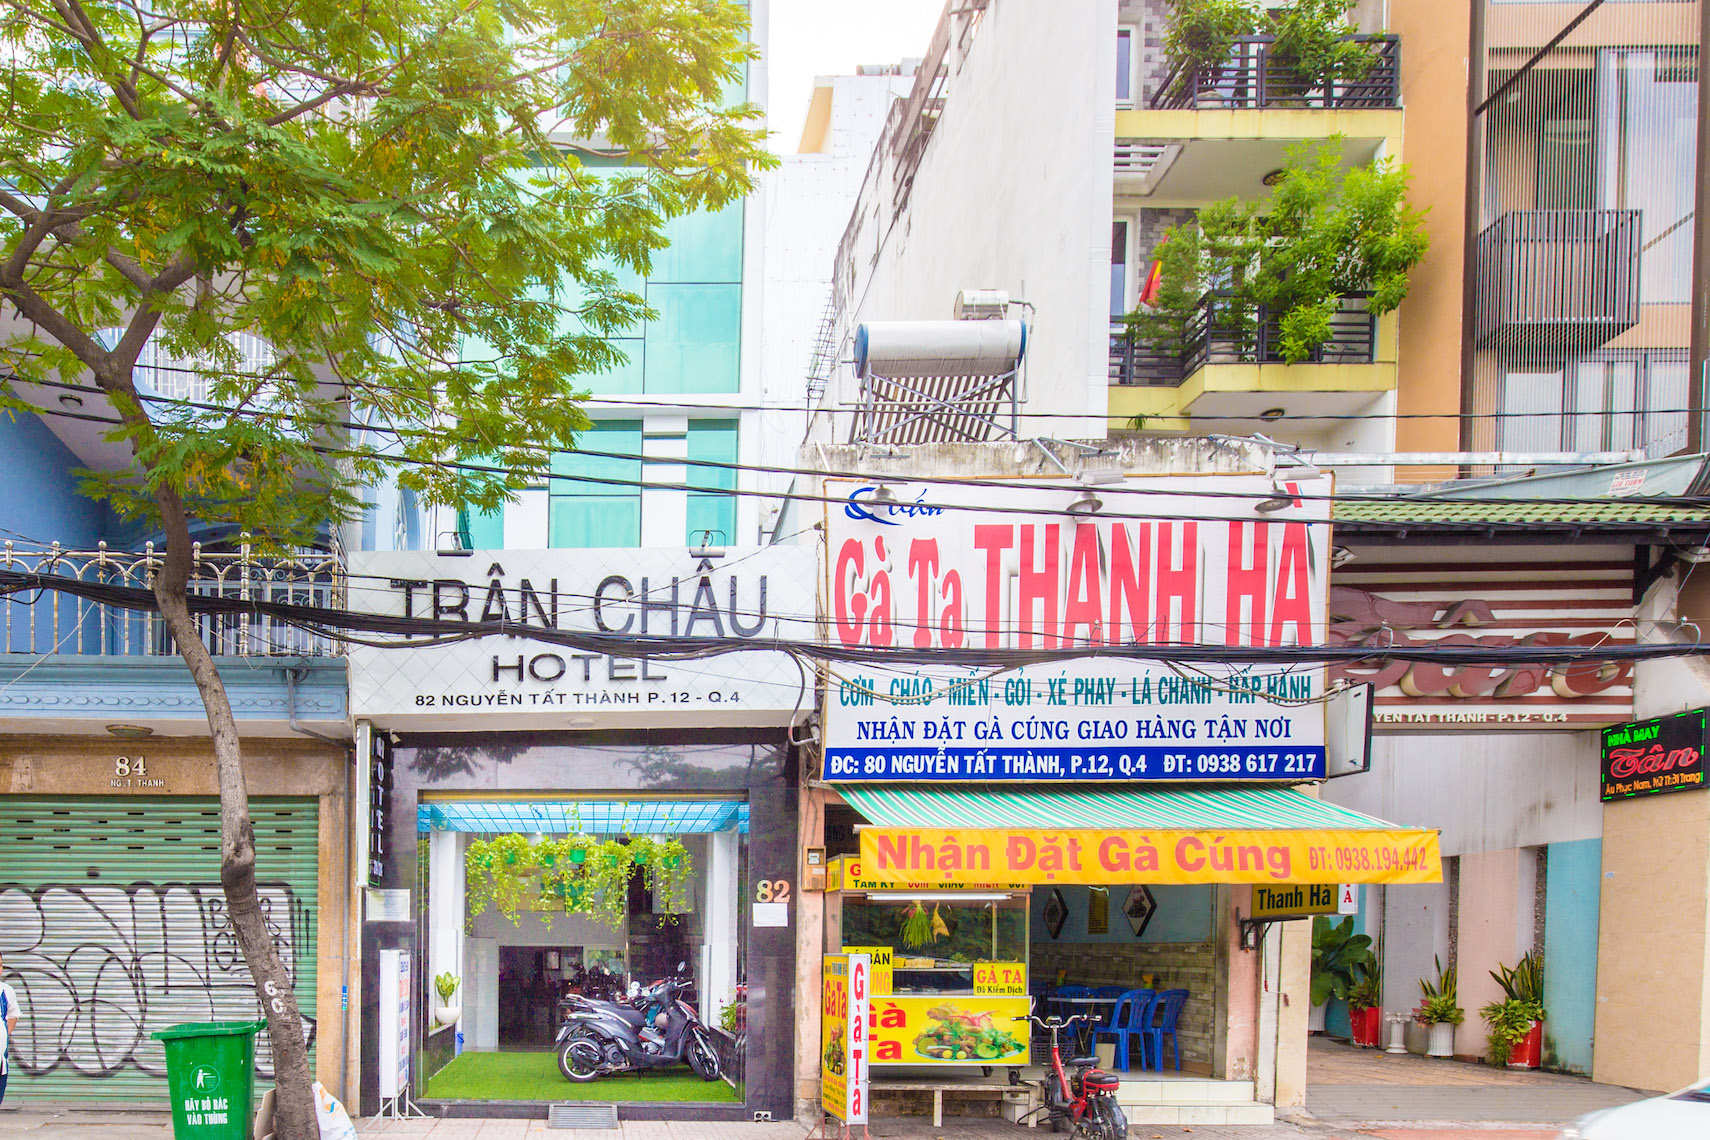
(1216, 132)
(75, 666)
(1252, 79)
(53, 622)
(1557, 281)
(1230, 364)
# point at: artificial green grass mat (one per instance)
(535, 1076)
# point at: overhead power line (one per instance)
(1684, 502)
(393, 631)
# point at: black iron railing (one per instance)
(1223, 330)
(1253, 78)
(1558, 280)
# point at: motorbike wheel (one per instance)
(579, 1060)
(1105, 1120)
(702, 1057)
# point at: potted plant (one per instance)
(1315, 47)
(1340, 960)
(1516, 1022)
(1439, 1011)
(1200, 37)
(1365, 1017)
(445, 1013)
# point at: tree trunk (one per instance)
(294, 1117)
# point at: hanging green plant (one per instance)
(666, 873)
(573, 874)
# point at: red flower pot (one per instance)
(1366, 1025)
(1529, 1050)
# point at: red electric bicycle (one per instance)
(1083, 1103)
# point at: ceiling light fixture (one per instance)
(70, 401)
(130, 731)
(1272, 414)
(1274, 176)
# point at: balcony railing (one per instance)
(1253, 78)
(52, 621)
(1223, 331)
(1555, 281)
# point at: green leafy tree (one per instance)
(1325, 233)
(366, 189)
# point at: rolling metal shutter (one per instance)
(113, 925)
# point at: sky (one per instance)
(832, 37)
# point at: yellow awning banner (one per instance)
(961, 835)
(950, 857)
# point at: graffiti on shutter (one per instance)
(100, 968)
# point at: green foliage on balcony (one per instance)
(1327, 233)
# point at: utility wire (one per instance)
(365, 628)
(1045, 483)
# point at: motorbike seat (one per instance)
(1078, 1061)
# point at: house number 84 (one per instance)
(128, 766)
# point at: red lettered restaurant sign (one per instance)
(1653, 756)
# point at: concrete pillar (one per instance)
(1488, 934)
(665, 512)
(445, 910)
(1235, 1018)
(1293, 981)
(1653, 945)
(719, 987)
(810, 946)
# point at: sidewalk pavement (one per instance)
(1345, 1085)
(19, 1125)
(1352, 1094)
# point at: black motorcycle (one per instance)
(659, 1028)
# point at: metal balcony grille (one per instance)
(55, 622)
(1557, 281)
(1252, 78)
(1221, 331)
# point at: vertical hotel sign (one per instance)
(843, 1056)
(1234, 561)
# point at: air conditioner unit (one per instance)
(982, 305)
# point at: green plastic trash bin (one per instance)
(210, 1070)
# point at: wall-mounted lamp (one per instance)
(1086, 503)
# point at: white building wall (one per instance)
(1013, 192)
(1486, 791)
(806, 203)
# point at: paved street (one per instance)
(1351, 1094)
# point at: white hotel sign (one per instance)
(515, 681)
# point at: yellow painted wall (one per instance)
(1435, 48)
(1653, 942)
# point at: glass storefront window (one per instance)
(936, 941)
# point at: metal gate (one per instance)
(113, 925)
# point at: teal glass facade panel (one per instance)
(714, 440)
(585, 513)
(694, 344)
(706, 248)
(583, 521)
(482, 530)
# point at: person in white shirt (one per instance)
(8, 1025)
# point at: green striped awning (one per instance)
(1144, 809)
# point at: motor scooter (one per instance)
(658, 1029)
(1083, 1103)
